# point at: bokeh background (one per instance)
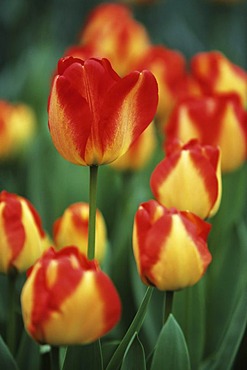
(34, 34)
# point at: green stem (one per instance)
(168, 304)
(54, 357)
(135, 326)
(92, 211)
(11, 324)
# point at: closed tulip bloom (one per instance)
(169, 69)
(170, 247)
(217, 74)
(17, 127)
(139, 153)
(189, 178)
(72, 228)
(94, 115)
(113, 33)
(217, 119)
(21, 233)
(67, 299)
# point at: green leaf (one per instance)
(28, 353)
(224, 282)
(231, 209)
(84, 357)
(189, 308)
(223, 359)
(134, 327)
(171, 351)
(134, 357)
(7, 361)
(108, 348)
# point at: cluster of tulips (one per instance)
(111, 96)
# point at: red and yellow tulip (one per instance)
(114, 34)
(67, 299)
(217, 74)
(17, 127)
(94, 115)
(21, 233)
(218, 119)
(139, 153)
(169, 68)
(189, 178)
(72, 228)
(170, 246)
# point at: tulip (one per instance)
(94, 115)
(218, 120)
(21, 233)
(72, 228)
(169, 69)
(17, 127)
(170, 247)
(217, 74)
(114, 34)
(67, 299)
(139, 153)
(189, 178)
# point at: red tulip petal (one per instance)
(128, 108)
(70, 121)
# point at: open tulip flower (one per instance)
(217, 74)
(170, 246)
(67, 299)
(72, 228)
(189, 178)
(21, 233)
(94, 115)
(218, 119)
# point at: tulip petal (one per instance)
(186, 180)
(127, 110)
(69, 126)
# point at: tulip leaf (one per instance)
(189, 310)
(86, 357)
(108, 348)
(171, 351)
(224, 357)
(7, 361)
(224, 283)
(134, 357)
(134, 327)
(28, 353)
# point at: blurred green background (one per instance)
(33, 35)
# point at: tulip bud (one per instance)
(72, 228)
(189, 178)
(139, 152)
(217, 74)
(17, 126)
(21, 233)
(218, 120)
(68, 300)
(114, 34)
(169, 68)
(94, 115)
(170, 247)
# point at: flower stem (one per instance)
(92, 211)
(11, 325)
(54, 357)
(135, 326)
(168, 304)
